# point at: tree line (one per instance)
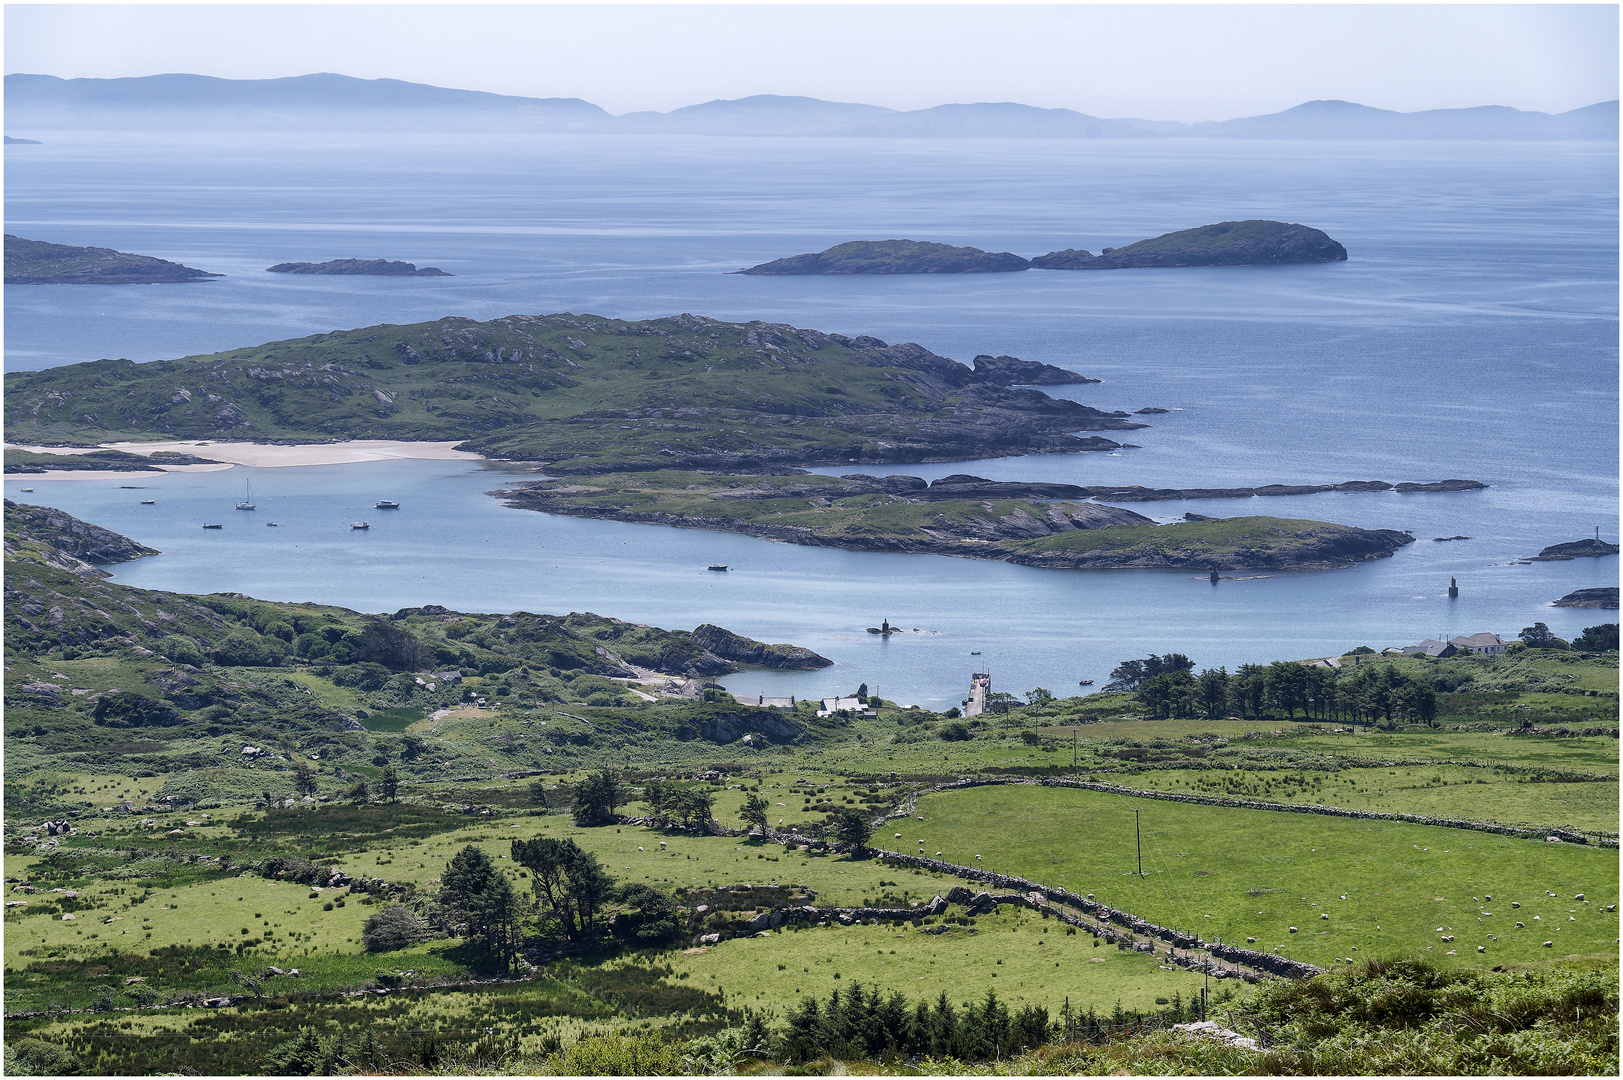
(1376, 693)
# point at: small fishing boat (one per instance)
(149, 502)
(213, 526)
(1085, 682)
(974, 652)
(360, 525)
(130, 487)
(385, 504)
(716, 566)
(28, 489)
(273, 524)
(247, 502)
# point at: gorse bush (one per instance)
(618, 1055)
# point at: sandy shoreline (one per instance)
(259, 455)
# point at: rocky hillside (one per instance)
(894, 257)
(35, 262)
(1228, 243)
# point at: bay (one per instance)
(1472, 333)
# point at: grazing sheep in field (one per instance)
(938, 854)
(977, 858)
(639, 847)
(1519, 926)
(662, 843)
(1549, 944)
(898, 836)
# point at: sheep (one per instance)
(1515, 903)
(662, 843)
(639, 847)
(1324, 916)
(938, 854)
(1481, 948)
(1549, 944)
(977, 858)
(898, 836)
(1293, 929)
(1520, 926)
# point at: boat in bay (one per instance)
(213, 526)
(360, 525)
(247, 502)
(385, 504)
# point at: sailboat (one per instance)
(247, 502)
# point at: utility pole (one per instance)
(1073, 750)
(1139, 833)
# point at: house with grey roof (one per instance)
(1486, 644)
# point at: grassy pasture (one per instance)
(1437, 790)
(1018, 953)
(1243, 873)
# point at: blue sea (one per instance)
(1472, 333)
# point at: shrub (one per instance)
(953, 732)
(35, 1057)
(182, 650)
(619, 1055)
(395, 927)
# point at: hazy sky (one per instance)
(1161, 62)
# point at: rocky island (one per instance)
(1574, 549)
(369, 267)
(957, 516)
(1228, 243)
(894, 257)
(1604, 598)
(35, 262)
(580, 393)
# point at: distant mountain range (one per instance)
(339, 103)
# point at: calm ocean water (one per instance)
(1472, 333)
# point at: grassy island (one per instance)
(900, 513)
(579, 393)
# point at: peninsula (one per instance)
(579, 393)
(894, 257)
(859, 512)
(35, 262)
(369, 267)
(1228, 243)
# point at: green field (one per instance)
(1232, 874)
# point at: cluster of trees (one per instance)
(675, 804)
(867, 1024)
(572, 897)
(596, 798)
(1602, 638)
(1377, 693)
(1130, 674)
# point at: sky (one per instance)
(1152, 61)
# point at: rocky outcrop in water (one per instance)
(1575, 549)
(369, 267)
(894, 257)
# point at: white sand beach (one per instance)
(261, 455)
